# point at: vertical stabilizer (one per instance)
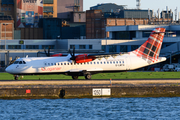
(151, 48)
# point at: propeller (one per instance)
(73, 57)
(47, 54)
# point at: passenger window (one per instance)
(119, 61)
(122, 61)
(104, 62)
(97, 62)
(24, 62)
(110, 62)
(45, 63)
(94, 62)
(64, 63)
(20, 62)
(54, 63)
(61, 63)
(51, 63)
(87, 63)
(67, 63)
(71, 63)
(91, 62)
(107, 62)
(116, 61)
(48, 63)
(58, 63)
(101, 62)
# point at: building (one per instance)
(108, 7)
(49, 8)
(96, 22)
(7, 8)
(52, 28)
(6, 29)
(65, 7)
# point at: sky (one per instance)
(131, 4)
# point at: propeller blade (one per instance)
(74, 51)
(45, 51)
(70, 52)
(49, 51)
(72, 55)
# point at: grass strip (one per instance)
(118, 75)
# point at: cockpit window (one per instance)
(16, 62)
(19, 62)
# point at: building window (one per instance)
(72, 46)
(2, 9)
(48, 9)
(103, 47)
(123, 48)
(82, 46)
(79, 16)
(90, 46)
(112, 48)
(32, 46)
(14, 46)
(134, 47)
(2, 46)
(9, 9)
(47, 46)
(48, 1)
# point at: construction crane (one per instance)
(76, 5)
(138, 4)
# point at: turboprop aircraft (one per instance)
(88, 64)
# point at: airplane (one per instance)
(89, 64)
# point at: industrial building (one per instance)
(49, 8)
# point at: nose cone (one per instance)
(8, 69)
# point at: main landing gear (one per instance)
(87, 76)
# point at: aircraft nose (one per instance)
(8, 70)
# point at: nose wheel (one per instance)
(16, 77)
(74, 77)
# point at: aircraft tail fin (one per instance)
(151, 48)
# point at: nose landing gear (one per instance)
(16, 77)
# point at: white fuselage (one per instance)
(53, 65)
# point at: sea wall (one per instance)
(89, 92)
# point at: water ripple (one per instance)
(87, 109)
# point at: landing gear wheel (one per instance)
(16, 77)
(75, 77)
(88, 76)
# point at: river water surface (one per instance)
(88, 109)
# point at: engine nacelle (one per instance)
(84, 58)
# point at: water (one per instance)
(87, 109)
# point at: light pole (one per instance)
(5, 35)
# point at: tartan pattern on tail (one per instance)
(151, 48)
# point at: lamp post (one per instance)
(5, 35)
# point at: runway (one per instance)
(87, 83)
